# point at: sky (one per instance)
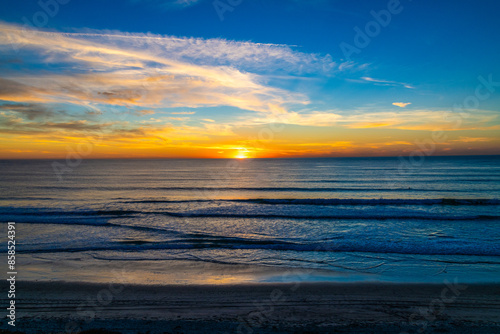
(248, 78)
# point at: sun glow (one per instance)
(241, 153)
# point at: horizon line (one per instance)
(325, 157)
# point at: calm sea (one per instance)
(383, 219)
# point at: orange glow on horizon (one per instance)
(242, 153)
(166, 142)
(241, 156)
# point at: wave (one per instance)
(62, 217)
(387, 216)
(79, 219)
(361, 245)
(317, 209)
(346, 201)
(59, 213)
(262, 189)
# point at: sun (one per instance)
(241, 155)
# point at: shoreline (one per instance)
(67, 307)
(405, 270)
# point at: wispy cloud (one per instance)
(30, 111)
(427, 120)
(145, 112)
(184, 113)
(401, 104)
(381, 82)
(248, 56)
(474, 139)
(314, 118)
(424, 120)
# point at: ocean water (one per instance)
(332, 219)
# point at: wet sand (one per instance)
(256, 308)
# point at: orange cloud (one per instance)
(401, 104)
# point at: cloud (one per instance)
(12, 125)
(401, 104)
(314, 118)
(248, 56)
(145, 112)
(154, 71)
(29, 111)
(380, 82)
(14, 91)
(426, 120)
(474, 139)
(41, 131)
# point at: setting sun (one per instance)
(241, 155)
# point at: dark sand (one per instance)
(256, 308)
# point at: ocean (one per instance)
(251, 220)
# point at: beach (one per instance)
(62, 307)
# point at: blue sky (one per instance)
(281, 61)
